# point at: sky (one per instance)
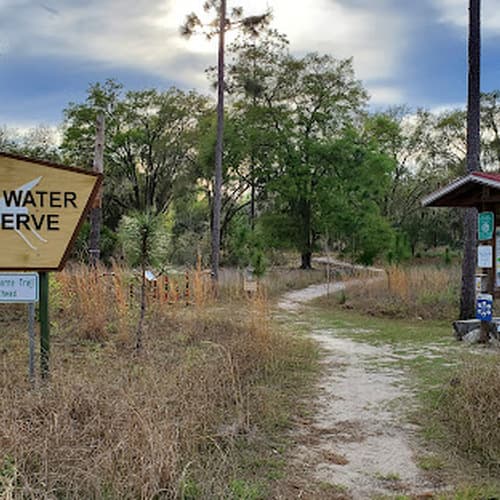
(411, 52)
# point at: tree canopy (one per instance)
(305, 160)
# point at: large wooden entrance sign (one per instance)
(42, 207)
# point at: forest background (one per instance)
(307, 165)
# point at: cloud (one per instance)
(446, 108)
(144, 34)
(370, 33)
(455, 12)
(103, 30)
(382, 95)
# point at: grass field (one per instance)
(419, 292)
(201, 412)
(204, 409)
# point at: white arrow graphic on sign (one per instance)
(21, 209)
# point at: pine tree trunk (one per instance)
(468, 294)
(306, 253)
(219, 148)
(306, 260)
(467, 299)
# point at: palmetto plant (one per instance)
(145, 243)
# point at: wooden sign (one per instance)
(42, 206)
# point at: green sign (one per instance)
(485, 223)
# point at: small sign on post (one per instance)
(23, 288)
(249, 284)
(18, 287)
(485, 256)
(484, 307)
(485, 226)
(480, 283)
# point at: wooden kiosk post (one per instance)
(478, 190)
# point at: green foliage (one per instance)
(56, 298)
(108, 243)
(8, 477)
(346, 187)
(259, 262)
(400, 250)
(144, 239)
(239, 243)
(279, 230)
(37, 142)
(190, 490)
(374, 238)
(299, 148)
(246, 490)
(189, 220)
(149, 144)
(354, 195)
(292, 108)
(447, 257)
(245, 247)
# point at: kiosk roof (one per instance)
(467, 191)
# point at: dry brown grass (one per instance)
(276, 281)
(469, 411)
(280, 280)
(427, 292)
(169, 422)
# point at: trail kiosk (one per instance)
(478, 190)
(42, 207)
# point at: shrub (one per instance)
(427, 292)
(171, 421)
(469, 410)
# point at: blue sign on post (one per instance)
(484, 307)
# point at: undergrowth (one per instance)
(468, 411)
(276, 281)
(199, 413)
(425, 292)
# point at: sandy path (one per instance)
(294, 301)
(357, 440)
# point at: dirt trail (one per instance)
(357, 441)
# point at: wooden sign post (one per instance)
(480, 190)
(42, 207)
